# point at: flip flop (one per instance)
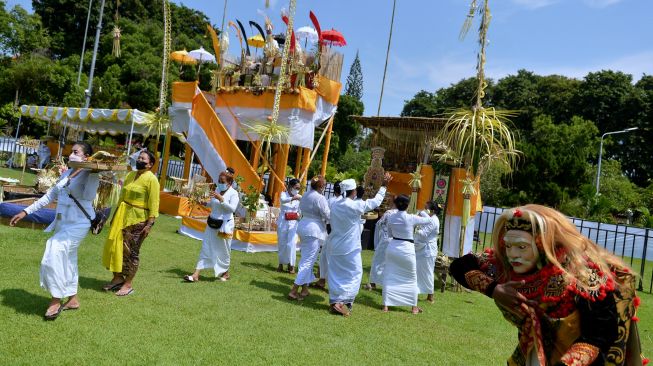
(66, 307)
(295, 298)
(54, 316)
(129, 292)
(112, 286)
(189, 278)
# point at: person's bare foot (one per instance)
(340, 308)
(54, 309)
(304, 293)
(72, 303)
(429, 298)
(416, 310)
(385, 309)
(224, 277)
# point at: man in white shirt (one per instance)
(344, 245)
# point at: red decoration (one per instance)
(517, 213)
(645, 361)
(637, 301)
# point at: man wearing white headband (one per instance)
(344, 245)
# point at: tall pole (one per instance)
(598, 168)
(81, 60)
(98, 32)
(387, 54)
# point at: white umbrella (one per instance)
(307, 33)
(201, 56)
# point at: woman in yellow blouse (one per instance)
(136, 211)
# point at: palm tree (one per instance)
(476, 138)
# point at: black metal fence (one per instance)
(630, 243)
(176, 169)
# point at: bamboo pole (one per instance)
(327, 145)
(306, 161)
(188, 155)
(166, 158)
(254, 156)
(272, 167)
(298, 161)
(280, 170)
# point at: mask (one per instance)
(521, 251)
(223, 187)
(75, 158)
(140, 165)
(294, 192)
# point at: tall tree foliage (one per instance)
(354, 84)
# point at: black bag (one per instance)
(100, 217)
(214, 223)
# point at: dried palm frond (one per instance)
(109, 190)
(157, 124)
(468, 21)
(268, 132)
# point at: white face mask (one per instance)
(223, 187)
(75, 158)
(294, 192)
(520, 250)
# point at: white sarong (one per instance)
(287, 241)
(345, 275)
(425, 268)
(215, 253)
(324, 263)
(310, 247)
(378, 260)
(399, 274)
(59, 273)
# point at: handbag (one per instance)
(291, 215)
(214, 223)
(100, 217)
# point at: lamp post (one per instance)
(598, 170)
(81, 60)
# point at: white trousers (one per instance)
(287, 241)
(215, 253)
(399, 274)
(310, 247)
(59, 272)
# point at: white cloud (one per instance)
(535, 4)
(601, 3)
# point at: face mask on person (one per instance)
(223, 187)
(520, 251)
(75, 158)
(294, 192)
(140, 165)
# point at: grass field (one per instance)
(247, 320)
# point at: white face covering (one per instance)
(75, 158)
(521, 251)
(294, 192)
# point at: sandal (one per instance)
(53, 316)
(68, 307)
(112, 286)
(189, 278)
(293, 297)
(125, 293)
(317, 285)
(417, 310)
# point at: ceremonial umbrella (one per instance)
(256, 41)
(307, 34)
(201, 56)
(333, 38)
(182, 57)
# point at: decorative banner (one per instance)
(441, 188)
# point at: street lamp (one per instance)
(598, 170)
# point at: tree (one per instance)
(555, 161)
(344, 126)
(354, 84)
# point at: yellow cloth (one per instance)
(139, 200)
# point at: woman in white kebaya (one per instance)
(400, 272)
(426, 250)
(59, 273)
(216, 245)
(287, 226)
(312, 233)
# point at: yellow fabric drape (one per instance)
(139, 200)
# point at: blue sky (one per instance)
(566, 37)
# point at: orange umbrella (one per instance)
(182, 57)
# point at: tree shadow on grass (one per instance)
(180, 273)
(261, 266)
(281, 290)
(24, 302)
(92, 283)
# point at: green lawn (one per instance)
(246, 320)
(28, 179)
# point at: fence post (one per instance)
(643, 266)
